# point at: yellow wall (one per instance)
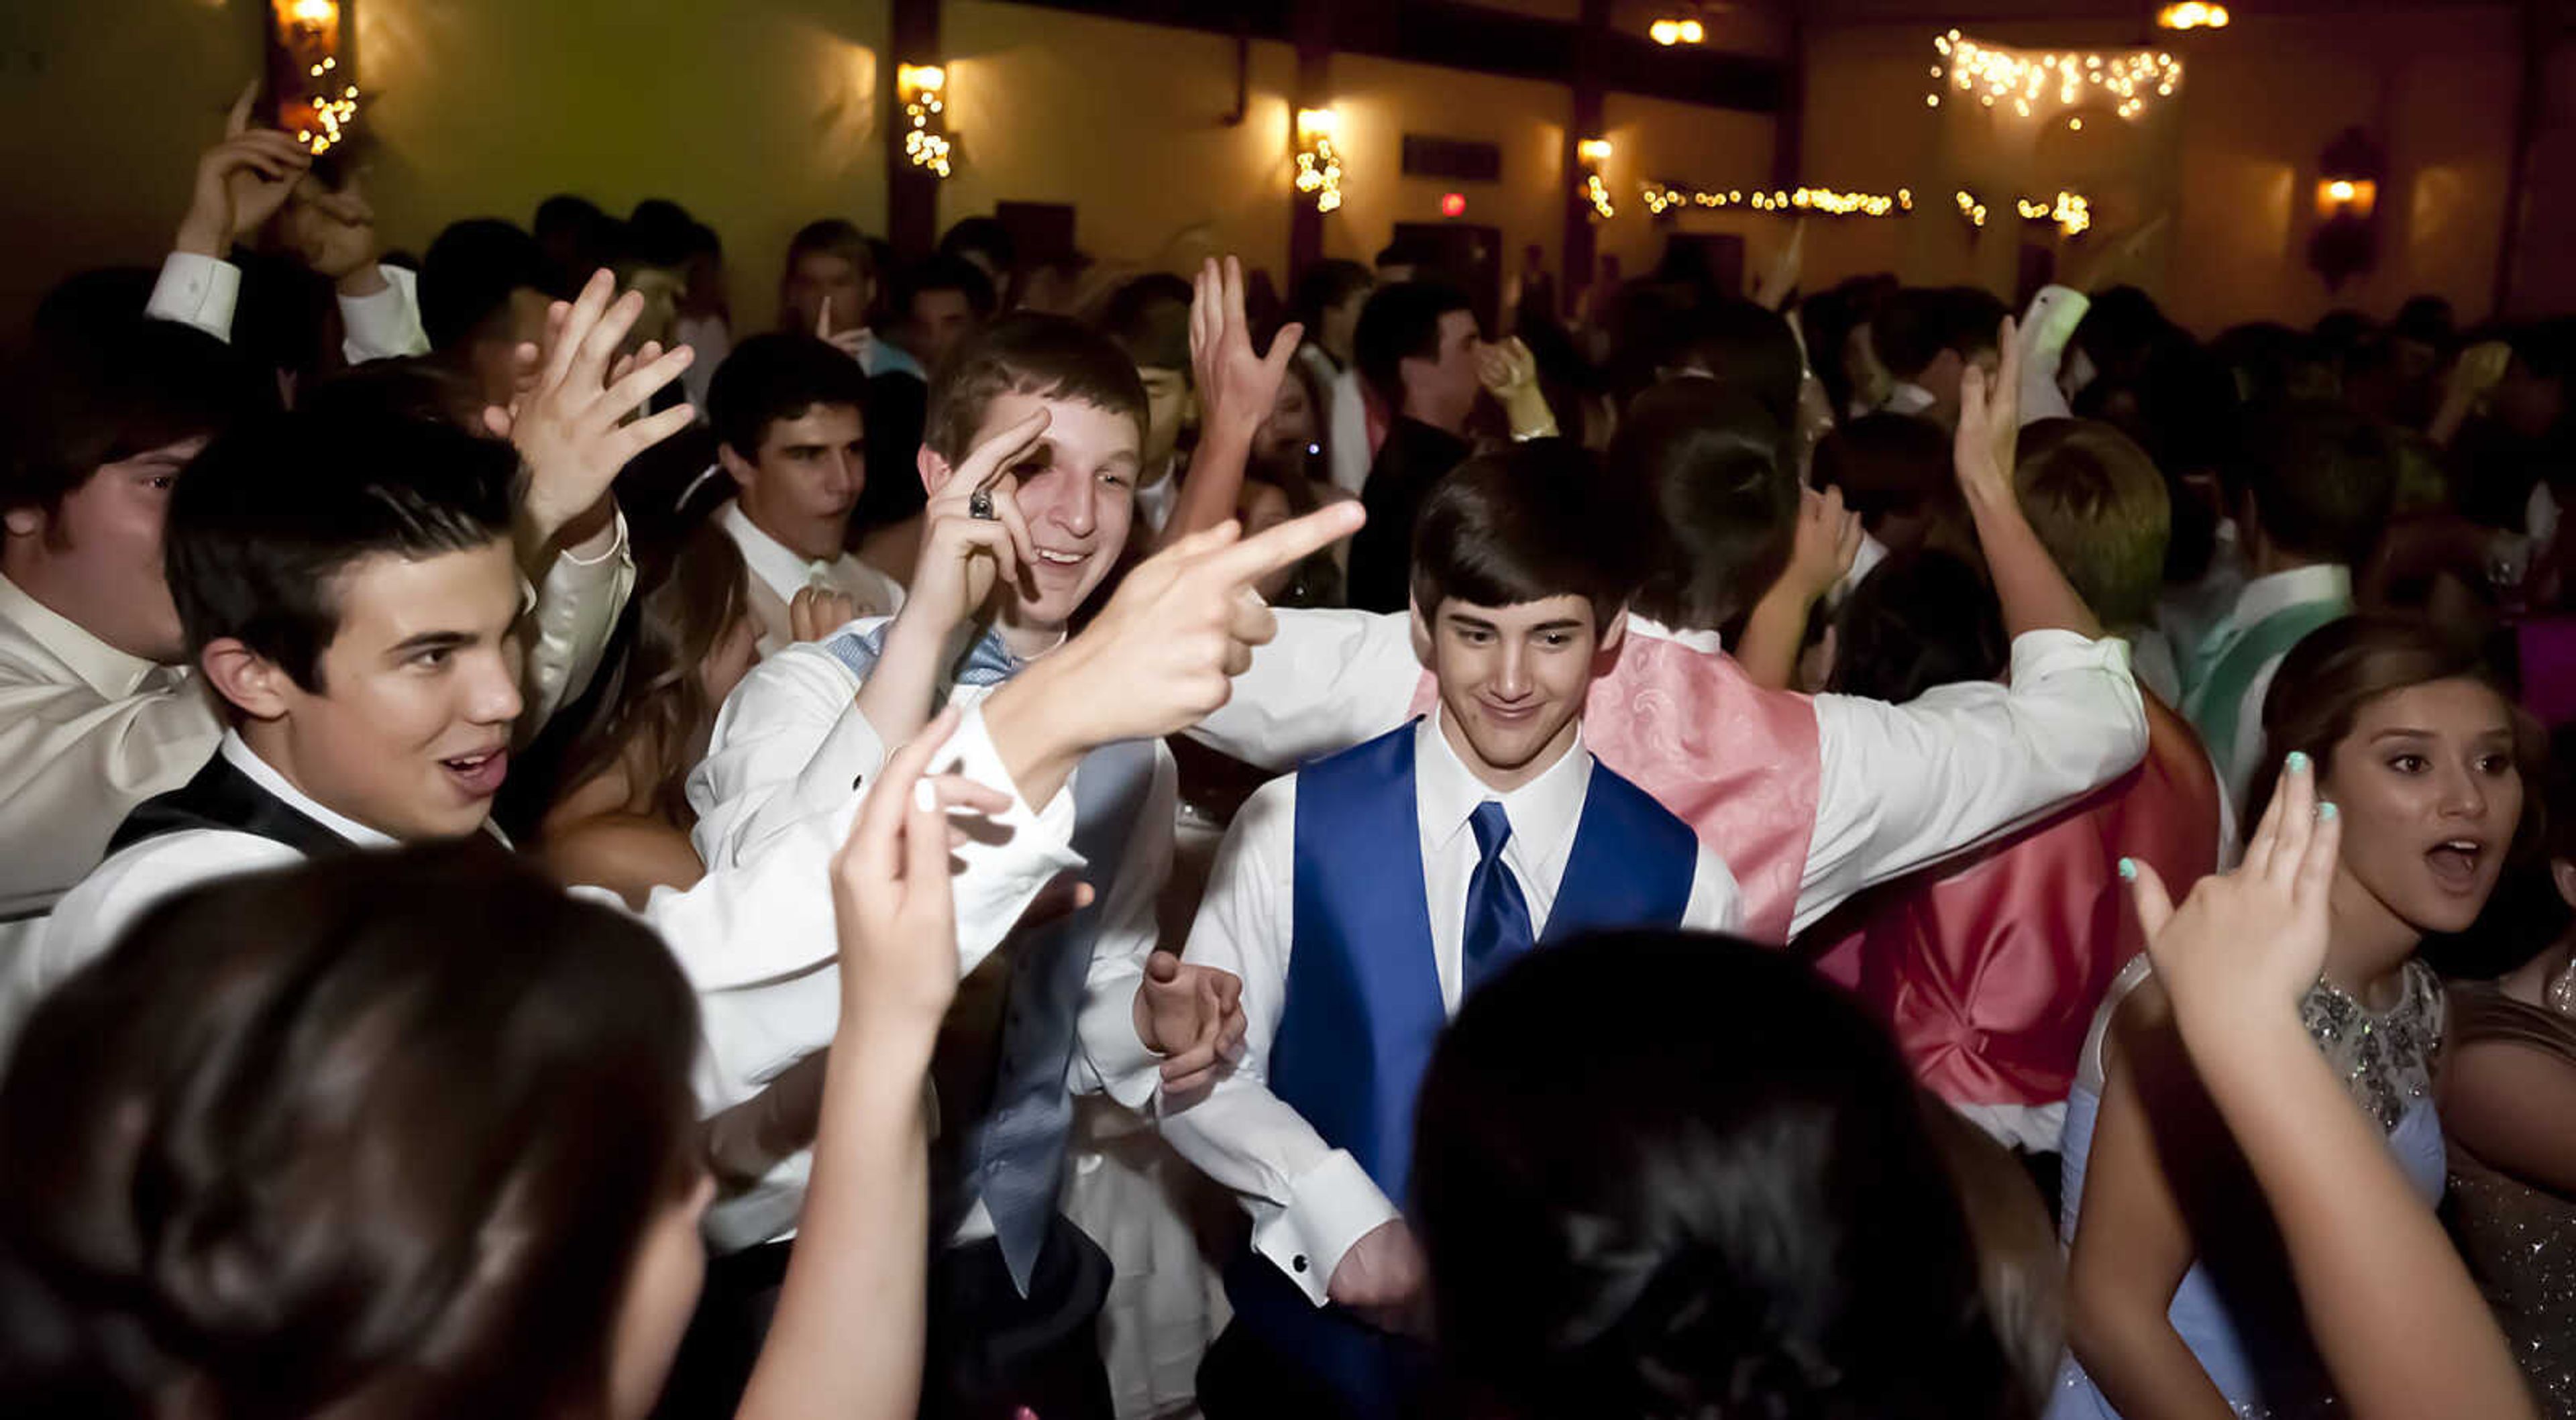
(2232, 156)
(1657, 140)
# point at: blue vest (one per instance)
(1363, 1009)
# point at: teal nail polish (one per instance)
(2128, 870)
(2326, 811)
(2298, 761)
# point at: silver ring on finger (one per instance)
(979, 506)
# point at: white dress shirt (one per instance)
(756, 940)
(1899, 785)
(1309, 1201)
(202, 291)
(2263, 597)
(1346, 440)
(778, 573)
(790, 744)
(1907, 397)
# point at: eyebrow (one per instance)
(431, 641)
(2405, 732)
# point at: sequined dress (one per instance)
(2263, 1364)
(2520, 1241)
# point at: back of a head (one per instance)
(378, 1137)
(1323, 285)
(1704, 462)
(982, 237)
(468, 274)
(945, 273)
(1907, 330)
(1970, 317)
(1523, 524)
(1629, 1215)
(2102, 511)
(275, 509)
(1919, 620)
(1028, 352)
(660, 232)
(123, 388)
(1746, 347)
(774, 376)
(1401, 321)
(832, 236)
(1149, 318)
(2322, 479)
(1887, 465)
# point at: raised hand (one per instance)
(572, 427)
(1192, 1016)
(1990, 422)
(816, 612)
(1827, 540)
(854, 342)
(963, 556)
(1771, 289)
(241, 181)
(2248, 944)
(1236, 384)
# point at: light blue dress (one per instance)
(2387, 1058)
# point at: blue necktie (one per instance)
(1498, 920)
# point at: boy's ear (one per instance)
(247, 680)
(26, 522)
(1618, 632)
(1421, 633)
(736, 467)
(934, 470)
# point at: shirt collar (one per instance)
(112, 673)
(2299, 586)
(1705, 642)
(1541, 812)
(1907, 397)
(772, 561)
(243, 758)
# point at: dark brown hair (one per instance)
(1028, 352)
(1523, 524)
(654, 695)
(379, 1136)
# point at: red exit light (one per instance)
(1453, 204)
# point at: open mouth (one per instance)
(1054, 558)
(2456, 863)
(479, 776)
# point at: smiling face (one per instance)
(1512, 680)
(407, 726)
(1076, 488)
(2431, 797)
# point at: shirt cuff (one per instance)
(386, 325)
(1034, 845)
(606, 545)
(1129, 1073)
(196, 290)
(851, 751)
(1331, 1206)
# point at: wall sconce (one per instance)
(311, 70)
(1594, 155)
(2192, 15)
(924, 91)
(1319, 166)
(2347, 238)
(1672, 32)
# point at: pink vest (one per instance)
(1989, 970)
(1733, 760)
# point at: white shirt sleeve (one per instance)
(1905, 785)
(2045, 330)
(759, 942)
(790, 743)
(196, 290)
(1346, 444)
(386, 325)
(577, 606)
(72, 765)
(1309, 1201)
(1327, 681)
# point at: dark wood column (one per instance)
(1311, 29)
(1582, 120)
(912, 195)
